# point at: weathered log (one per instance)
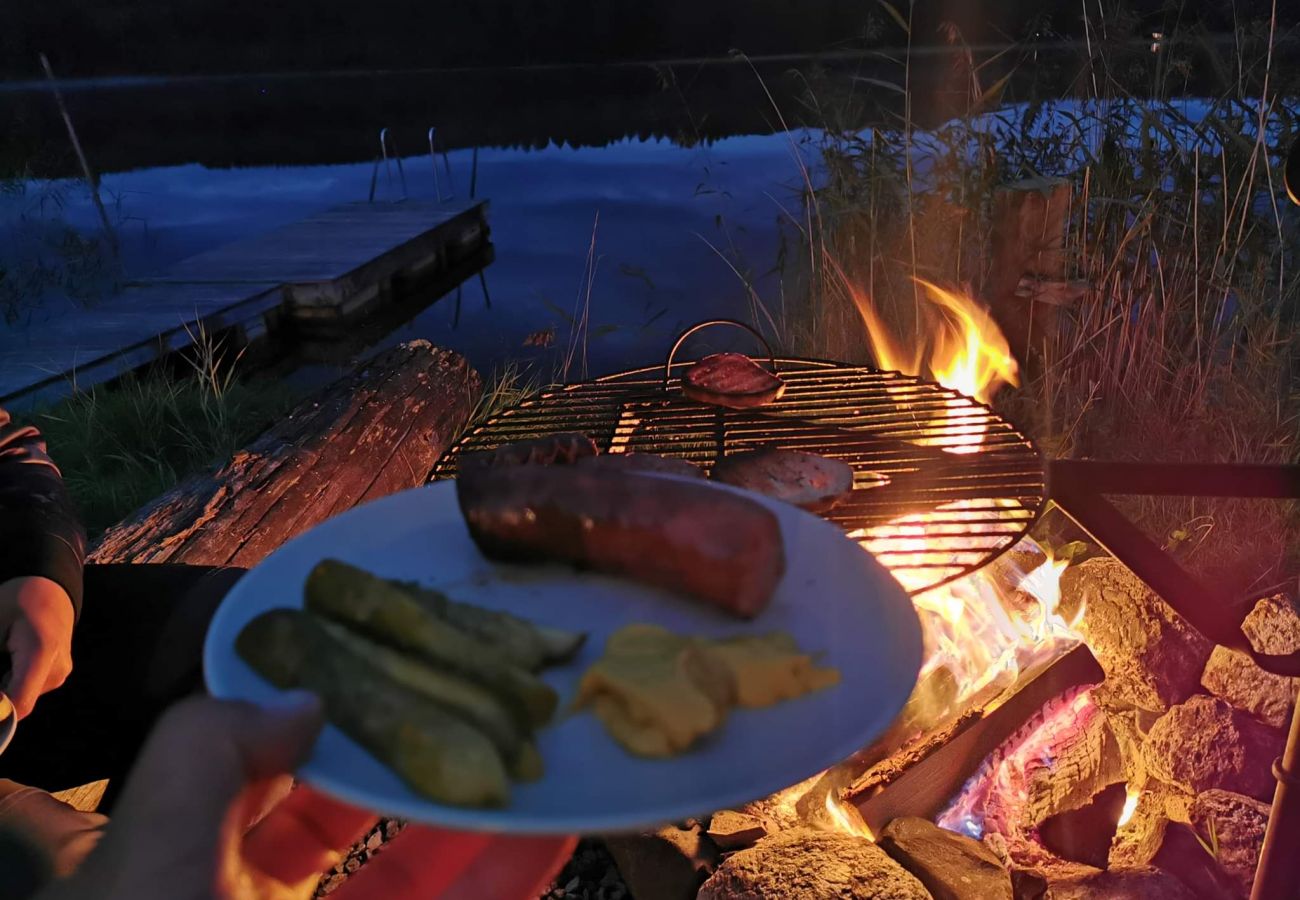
(375, 432)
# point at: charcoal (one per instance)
(1272, 626)
(951, 866)
(1147, 883)
(1151, 656)
(811, 865)
(1204, 743)
(669, 864)
(1084, 834)
(1235, 825)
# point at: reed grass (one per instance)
(1185, 344)
(122, 445)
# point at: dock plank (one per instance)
(323, 270)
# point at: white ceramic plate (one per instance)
(835, 599)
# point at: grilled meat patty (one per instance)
(713, 545)
(733, 380)
(813, 482)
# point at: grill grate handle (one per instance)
(699, 326)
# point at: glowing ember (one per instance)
(1130, 806)
(846, 818)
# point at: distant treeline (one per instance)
(115, 37)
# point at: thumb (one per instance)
(197, 762)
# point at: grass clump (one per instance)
(1185, 339)
(121, 446)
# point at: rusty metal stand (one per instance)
(1078, 488)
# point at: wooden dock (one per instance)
(316, 275)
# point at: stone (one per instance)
(811, 865)
(1152, 657)
(1234, 677)
(1084, 834)
(1204, 743)
(1146, 883)
(732, 830)
(952, 866)
(669, 864)
(1237, 824)
(1272, 626)
(1138, 840)
(1151, 838)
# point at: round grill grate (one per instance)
(942, 484)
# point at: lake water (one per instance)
(640, 199)
(662, 225)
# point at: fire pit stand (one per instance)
(947, 469)
(1079, 488)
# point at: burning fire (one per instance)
(846, 818)
(1130, 807)
(962, 349)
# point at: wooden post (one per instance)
(1027, 235)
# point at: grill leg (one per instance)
(1278, 875)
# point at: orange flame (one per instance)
(846, 818)
(965, 351)
(1130, 807)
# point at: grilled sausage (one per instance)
(713, 545)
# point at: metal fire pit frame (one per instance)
(1080, 488)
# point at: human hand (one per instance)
(180, 829)
(36, 618)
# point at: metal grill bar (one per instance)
(935, 464)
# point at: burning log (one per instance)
(812, 865)
(951, 866)
(1273, 627)
(1205, 743)
(1152, 657)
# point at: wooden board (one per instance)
(140, 324)
(325, 270)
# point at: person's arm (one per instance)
(40, 534)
